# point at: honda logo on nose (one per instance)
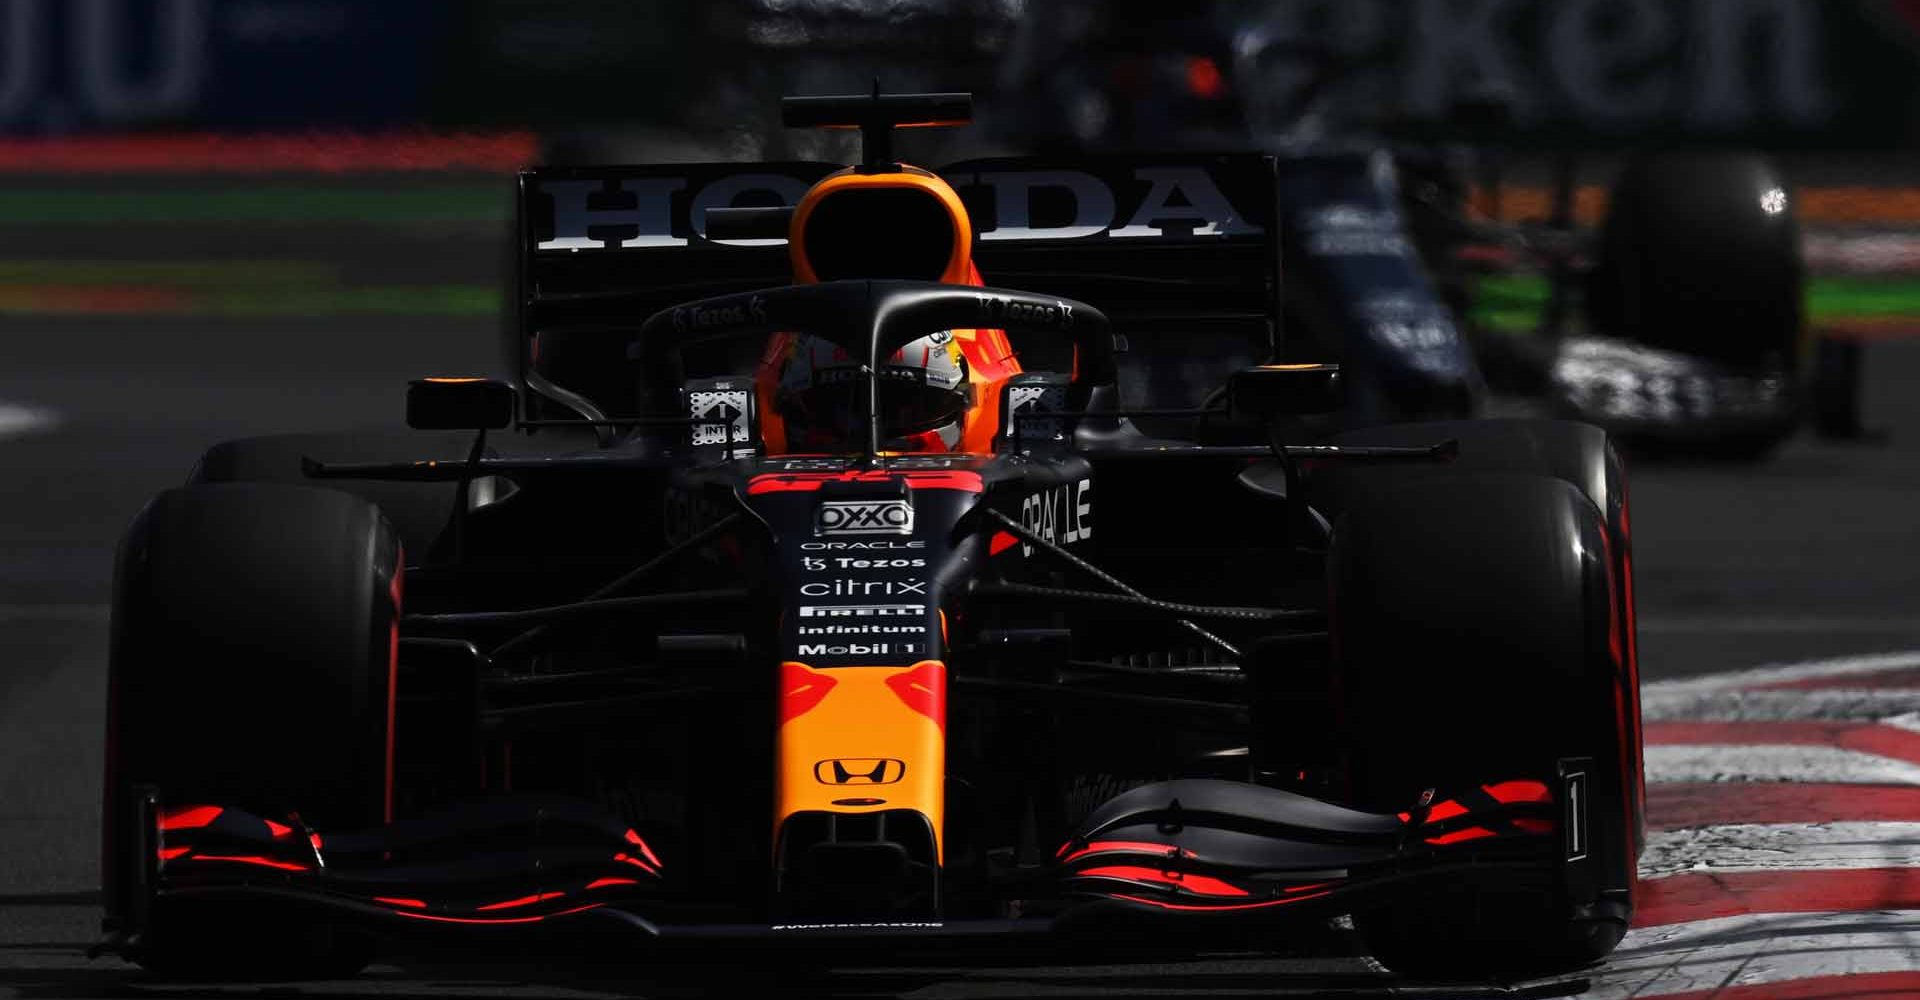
(859, 771)
(864, 517)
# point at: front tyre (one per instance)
(1476, 636)
(251, 666)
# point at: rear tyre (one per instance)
(1700, 254)
(1477, 641)
(252, 667)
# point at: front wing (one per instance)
(1196, 853)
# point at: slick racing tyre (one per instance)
(1575, 453)
(251, 666)
(1477, 641)
(1700, 254)
(418, 511)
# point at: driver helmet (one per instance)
(926, 394)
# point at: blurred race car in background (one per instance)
(787, 620)
(1677, 323)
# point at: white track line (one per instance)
(1782, 847)
(1759, 948)
(1777, 673)
(1687, 762)
(1779, 625)
(17, 420)
(1780, 705)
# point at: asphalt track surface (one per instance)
(1809, 556)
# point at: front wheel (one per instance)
(251, 667)
(1476, 635)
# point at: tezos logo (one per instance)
(688, 318)
(863, 517)
(997, 309)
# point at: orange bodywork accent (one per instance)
(959, 269)
(865, 713)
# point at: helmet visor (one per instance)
(832, 413)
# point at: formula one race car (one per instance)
(787, 619)
(1677, 324)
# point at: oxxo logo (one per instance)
(863, 517)
(860, 771)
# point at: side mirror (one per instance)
(459, 404)
(1271, 391)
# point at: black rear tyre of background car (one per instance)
(1476, 633)
(251, 666)
(1700, 253)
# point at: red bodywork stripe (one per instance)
(191, 818)
(497, 920)
(1510, 792)
(277, 829)
(1470, 833)
(1221, 907)
(801, 689)
(810, 482)
(628, 859)
(1129, 846)
(539, 897)
(169, 853)
(1445, 811)
(634, 839)
(1199, 885)
(418, 904)
(1001, 542)
(601, 883)
(253, 859)
(924, 689)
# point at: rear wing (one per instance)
(1161, 243)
